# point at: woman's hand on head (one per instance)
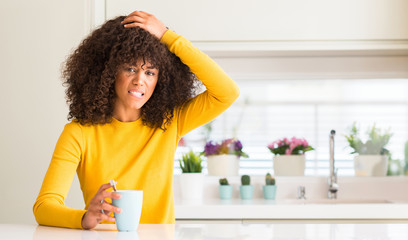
(99, 209)
(145, 21)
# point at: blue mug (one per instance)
(131, 204)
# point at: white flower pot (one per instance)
(191, 186)
(223, 165)
(289, 165)
(371, 165)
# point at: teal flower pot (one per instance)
(269, 191)
(246, 191)
(225, 192)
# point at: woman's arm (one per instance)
(49, 208)
(221, 91)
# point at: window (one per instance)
(268, 109)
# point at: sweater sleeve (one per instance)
(221, 90)
(49, 208)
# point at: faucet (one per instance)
(302, 192)
(333, 186)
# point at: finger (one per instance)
(133, 19)
(104, 187)
(102, 216)
(108, 208)
(134, 24)
(142, 13)
(132, 13)
(111, 195)
(100, 194)
(115, 195)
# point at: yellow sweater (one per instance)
(136, 156)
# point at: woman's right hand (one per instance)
(146, 21)
(94, 214)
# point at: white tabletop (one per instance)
(212, 231)
(281, 209)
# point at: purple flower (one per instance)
(227, 146)
(238, 145)
(210, 148)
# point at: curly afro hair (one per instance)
(90, 73)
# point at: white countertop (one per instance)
(211, 231)
(358, 198)
(282, 209)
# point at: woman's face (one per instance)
(134, 86)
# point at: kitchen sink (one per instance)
(334, 201)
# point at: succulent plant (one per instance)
(223, 181)
(406, 158)
(375, 144)
(191, 163)
(269, 180)
(406, 152)
(245, 180)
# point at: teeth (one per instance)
(139, 94)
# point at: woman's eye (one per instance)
(150, 73)
(131, 70)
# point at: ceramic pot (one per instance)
(223, 165)
(191, 186)
(371, 165)
(225, 192)
(246, 191)
(269, 191)
(289, 165)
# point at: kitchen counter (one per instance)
(211, 231)
(260, 209)
(359, 198)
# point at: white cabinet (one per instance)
(276, 20)
(231, 28)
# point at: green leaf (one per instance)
(191, 163)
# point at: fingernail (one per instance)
(119, 210)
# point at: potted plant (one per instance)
(372, 156)
(289, 158)
(225, 189)
(246, 189)
(223, 158)
(269, 189)
(191, 179)
(406, 159)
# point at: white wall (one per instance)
(36, 37)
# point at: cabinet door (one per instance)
(271, 20)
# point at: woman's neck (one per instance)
(126, 116)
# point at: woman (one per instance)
(130, 93)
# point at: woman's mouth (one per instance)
(136, 94)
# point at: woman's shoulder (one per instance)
(73, 127)
(76, 126)
(73, 124)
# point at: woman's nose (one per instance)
(138, 79)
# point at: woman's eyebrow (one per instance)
(152, 67)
